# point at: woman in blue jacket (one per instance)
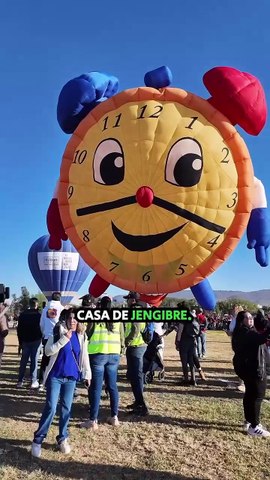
(68, 363)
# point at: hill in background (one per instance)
(260, 297)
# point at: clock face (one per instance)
(155, 189)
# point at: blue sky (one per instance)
(45, 44)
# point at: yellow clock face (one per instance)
(155, 189)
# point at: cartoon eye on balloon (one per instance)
(156, 185)
(184, 163)
(108, 163)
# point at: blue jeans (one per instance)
(135, 371)
(103, 366)
(201, 344)
(65, 388)
(29, 349)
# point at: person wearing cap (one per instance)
(105, 344)
(132, 298)
(49, 318)
(135, 350)
(87, 301)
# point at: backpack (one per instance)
(148, 332)
(192, 329)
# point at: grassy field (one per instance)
(191, 433)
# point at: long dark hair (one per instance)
(240, 317)
(260, 322)
(62, 322)
(65, 314)
(106, 303)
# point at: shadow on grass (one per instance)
(203, 390)
(180, 422)
(205, 368)
(18, 456)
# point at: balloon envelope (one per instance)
(57, 271)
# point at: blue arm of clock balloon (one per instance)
(258, 234)
(80, 95)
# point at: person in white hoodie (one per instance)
(49, 318)
(69, 362)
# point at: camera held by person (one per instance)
(4, 293)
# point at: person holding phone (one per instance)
(68, 363)
(249, 363)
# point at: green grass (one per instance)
(191, 433)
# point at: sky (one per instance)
(45, 44)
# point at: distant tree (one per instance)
(173, 301)
(40, 297)
(169, 302)
(24, 298)
(227, 306)
(19, 304)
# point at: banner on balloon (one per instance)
(58, 260)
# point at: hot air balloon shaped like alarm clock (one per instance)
(156, 185)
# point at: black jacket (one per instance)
(28, 329)
(250, 352)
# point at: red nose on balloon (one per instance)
(145, 196)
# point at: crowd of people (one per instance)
(74, 352)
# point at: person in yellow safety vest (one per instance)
(135, 350)
(106, 343)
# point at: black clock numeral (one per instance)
(86, 235)
(234, 198)
(227, 151)
(105, 126)
(181, 268)
(159, 109)
(70, 191)
(116, 124)
(192, 122)
(213, 241)
(80, 156)
(117, 120)
(114, 265)
(156, 114)
(142, 111)
(146, 277)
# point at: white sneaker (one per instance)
(19, 385)
(35, 450)
(258, 431)
(90, 424)
(241, 388)
(41, 388)
(64, 447)
(34, 384)
(246, 425)
(113, 421)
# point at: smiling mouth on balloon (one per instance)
(142, 243)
